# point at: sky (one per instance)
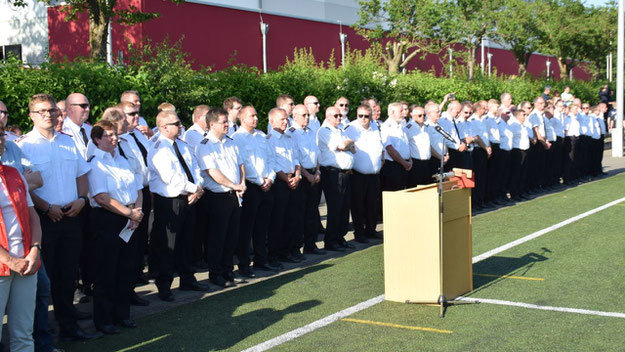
(596, 2)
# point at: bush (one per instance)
(162, 72)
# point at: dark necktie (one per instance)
(183, 163)
(456, 127)
(144, 152)
(121, 151)
(84, 135)
(234, 127)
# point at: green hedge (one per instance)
(162, 72)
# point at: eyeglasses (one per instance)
(109, 135)
(49, 112)
(343, 105)
(467, 112)
(336, 115)
(4, 112)
(585, 107)
(307, 115)
(177, 124)
(82, 106)
(362, 116)
(134, 113)
(420, 115)
(315, 102)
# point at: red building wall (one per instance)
(219, 37)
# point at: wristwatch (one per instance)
(85, 198)
(36, 245)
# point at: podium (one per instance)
(420, 265)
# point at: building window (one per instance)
(11, 50)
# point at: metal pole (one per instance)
(607, 67)
(451, 70)
(570, 74)
(343, 39)
(109, 44)
(611, 67)
(264, 29)
(403, 58)
(482, 55)
(490, 58)
(617, 131)
(548, 63)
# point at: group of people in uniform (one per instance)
(223, 192)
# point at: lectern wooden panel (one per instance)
(412, 244)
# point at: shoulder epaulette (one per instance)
(269, 136)
(204, 141)
(326, 127)
(157, 144)
(178, 139)
(346, 127)
(292, 129)
(229, 137)
(87, 122)
(67, 134)
(123, 139)
(20, 138)
(408, 125)
(90, 158)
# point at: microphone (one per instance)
(446, 135)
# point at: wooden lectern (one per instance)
(420, 265)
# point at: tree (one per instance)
(400, 27)
(467, 22)
(517, 28)
(100, 13)
(603, 30)
(565, 32)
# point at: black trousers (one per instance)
(61, 246)
(504, 176)
(255, 216)
(480, 175)
(337, 189)
(419, 174)
(518, 172)
(282, 227)
(364, 191)
(170, 239)
(309, 213)
(493, 174)
(569, 165)
(557, 160)
(583, 155)
(394, 176)
(139, 238)
(87, 253)
(224, 217)
(115, 267)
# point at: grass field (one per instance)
(577, 266)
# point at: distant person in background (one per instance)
(605, 94)
(60, 116)
(232, 105)
(132, 96)
(566, 96)
(342, 104)
(4, 116)
(546, 93)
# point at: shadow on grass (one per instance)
(215, 323)
(496, 267)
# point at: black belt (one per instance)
(417, 160)
(332, 168)
(222, 193)
(311, 171)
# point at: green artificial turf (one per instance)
(581, 265)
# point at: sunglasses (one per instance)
(82, 106)
(343, 105)
(177, 124)
(134, 113)
(364, 116)
(337, 115)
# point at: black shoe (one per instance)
(247, 272)
(142, 279)
(233, 278)
(347, 245)
(127, 323)
(334, 248)
(109, 329)
(314, 250)
(79, 334)
(221, 281)
(135, 300)
(194, 286)
(361, 239)
(78, 315)
(166, 296)
(298, 256)
(375, 235)
(265, 267)
(288, 259)
(275, 264)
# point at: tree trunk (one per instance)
(471, 61)
(564, 72)
(98, 28)
(522, 69)
(393, 57)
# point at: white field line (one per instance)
(293, 334)
(539, 233)
(535, 306)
